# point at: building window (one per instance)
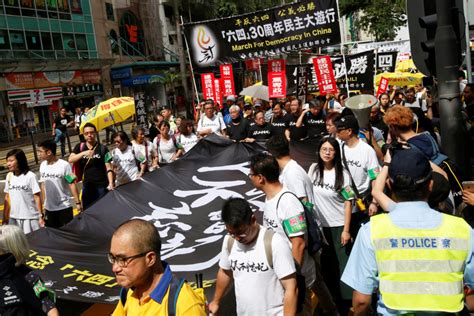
(4, 41)
(46, 40)
(131, 33)
(81, 42)
(57, 41)
(17, 40)
(114, 45)
(109, 10)
(11, 7)
(68, 41)
(33, 40)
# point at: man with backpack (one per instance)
(285, 215)
(148, 285)
(92, 165)
(259, 261)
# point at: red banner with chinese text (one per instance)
(217, 91)
(276, 78)
(208, 89)
(227, 77)
(383, 86)
(325, 75)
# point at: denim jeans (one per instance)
(92, 192)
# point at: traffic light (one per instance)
(422, 23)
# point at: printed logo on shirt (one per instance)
(15, 187)
(235, 265)
(46, 175)
(271, 224)
(354, 163)
(295, 224)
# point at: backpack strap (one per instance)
(175, 287)
(123, 296)
(267, 241)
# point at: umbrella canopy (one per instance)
(400, 79)
(110, 112)
(256, 91)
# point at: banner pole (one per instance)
(375, 68)
(342, 48)
(190, 64)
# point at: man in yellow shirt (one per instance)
(146, 280)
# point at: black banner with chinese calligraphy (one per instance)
(360, 71)
(183, 200)
(300, 25)
(141, 111)
(386, 62)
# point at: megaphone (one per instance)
(360, 106)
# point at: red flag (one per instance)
(208, 89)
(383, 86)
(276, 78)
(325, 75)
(227, 77)
(217, 91)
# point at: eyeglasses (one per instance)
(123, 262)
(327, 150)
(240, 236)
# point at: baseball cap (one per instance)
(348, 121)
(230, 98)
(257, 103)
(247, 106)
(411, 163)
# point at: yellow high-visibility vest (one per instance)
(421, 269)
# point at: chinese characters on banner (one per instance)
(383, 86)
(300, 25)
(227, 77)
(301, 82)
(360, 70)
(276, 78)
(208, 89)
(140, 111)
(325, 74)
(217, 91)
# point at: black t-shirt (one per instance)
(94, 168)
(238, 131)
(153, 131)
(296, 133)
(278, 125)
(61, 122)
(316, 124)
(260, 132)
(380, 124)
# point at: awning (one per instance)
(142, 80)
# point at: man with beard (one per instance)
(314, 119)
(261, 131)
(293, 132)
(238, 127)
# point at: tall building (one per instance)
(48, 59)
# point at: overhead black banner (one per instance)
(300, 25)
(385, 62)
(360, 71)
(183, 200)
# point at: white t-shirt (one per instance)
(187, 141)
(140, 152)
(57, 191)
(166, 148)
(126, 169)
(416, 104)
(289, 212)
(361, 161)
(258, 289)
(329, 204)
(216, 124)
(21, 190)
(297, 181)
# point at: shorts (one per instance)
(27, 225)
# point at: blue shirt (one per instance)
(361, 272)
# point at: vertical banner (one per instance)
(252, 64)
(383, 86)
(386, 62)
(325, 74)
(227, 77)
(217, 92)
(276, 78)
(140, 111)
(208, 89)
(301, 82)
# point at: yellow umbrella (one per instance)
(400, 79)
(110, 112)
(406, 65)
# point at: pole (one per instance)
(342, 50)
(182, 59)
(68, 141)
(192, 69)
(453, 136)
(33, 145)
(468, 44)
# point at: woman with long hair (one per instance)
(144, 150)
(166, 145)
(333, 194)
(23, 206)
(124, 160)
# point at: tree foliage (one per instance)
(379, 18)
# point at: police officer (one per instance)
(417, 257)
